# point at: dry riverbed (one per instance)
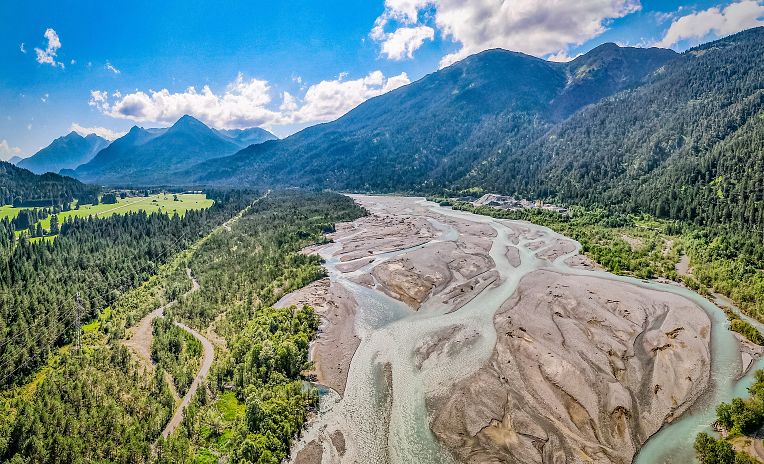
(449, 337)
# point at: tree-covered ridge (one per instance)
(437, 130)
(20, 187)
(98, 258)
(647, 130)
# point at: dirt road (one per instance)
(204, 369)
(140, 343)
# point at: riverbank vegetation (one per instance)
(739, 418)
(710, 450)
(743, 327)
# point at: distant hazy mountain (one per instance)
(681, 136)
(21, 184)
(149, 156)
(247, 137)
(15, 159)
(65, 152)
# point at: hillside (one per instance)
(688, 144)
(680, 136)
(20, 186)
(65, 152)
(147, 156)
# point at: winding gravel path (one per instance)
(209, 356)
(140, 343)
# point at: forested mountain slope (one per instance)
(688, 144)
(20, 186)
(434, 132)
(65, 152)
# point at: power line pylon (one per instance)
(78, 321)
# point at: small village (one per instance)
(510, 203)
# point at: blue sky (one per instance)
(105, 66)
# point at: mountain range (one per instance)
(149, 156)
(65, 152)
(639, 129)
(434, 132)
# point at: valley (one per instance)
(484, 232)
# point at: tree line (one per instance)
(22, 188)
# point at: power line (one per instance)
(78, 320)
(107, 304)
(68, 326)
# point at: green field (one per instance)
(8, 211)
(155, 203)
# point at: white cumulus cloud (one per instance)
(22, 48)
(404, 41)
(735, 17)
(330, 99)
(529, 26)
(108, 134)
(99, 99)
(288, 102)
(247, 102)
(7, 151)
(48, 56)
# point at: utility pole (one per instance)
(78, 339)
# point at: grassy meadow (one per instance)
(164, 203)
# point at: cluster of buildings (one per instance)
(510, 203)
